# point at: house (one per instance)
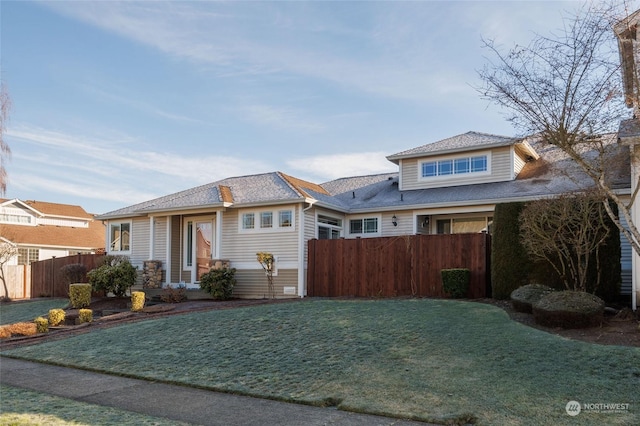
(628, 37)
(42, 230)
(448, 186)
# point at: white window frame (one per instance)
(363, 218)
(110, 236)
(330, 226)
(453, 159)
(259, 225)
(189, 245)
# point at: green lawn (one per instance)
(21, 407)
(26, 311)
(432, 360)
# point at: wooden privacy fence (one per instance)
(407, 265)
(17, 280)
(48, 281)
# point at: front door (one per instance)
(203, 242)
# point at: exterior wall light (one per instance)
(394, 220)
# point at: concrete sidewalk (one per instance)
(179, 403)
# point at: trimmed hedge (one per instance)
(510, 262)
(80, 295)
(219, 283)
(455, 282)
(137, 300)
(523, 298)
(569, 309)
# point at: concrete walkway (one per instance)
(179, 403)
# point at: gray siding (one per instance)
(252, 284)
(241, 247)
(160, 240)
(501, 170)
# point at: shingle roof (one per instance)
(465, 142)
(552, 173)
(55, 209)
(242, 190)
(57, 236)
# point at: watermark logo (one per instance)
(573, 408)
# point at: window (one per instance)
(248, 220)
(285, 218)
(363, 226)
(266, 220)
(28, 255)
(329, 228)
(120, 236)
(14, 218)
(464, 225)
(455, 166)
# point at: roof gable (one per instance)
(469, 141)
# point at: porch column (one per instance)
(152, 233)
(167, 263)
(218, 236)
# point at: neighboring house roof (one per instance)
(56, 236)
(91, 237)
(550, 173)
(466, 142)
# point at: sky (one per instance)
(116, 103)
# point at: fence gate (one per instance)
(406, 265)
(17, 280)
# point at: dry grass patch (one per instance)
(18, 329)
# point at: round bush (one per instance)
(523, 298)
(569, 309)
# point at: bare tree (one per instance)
(7, 252)
(567, 88)
(5, 151)
(568, 232)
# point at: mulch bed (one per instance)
(616, 329)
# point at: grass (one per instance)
(25, 311)
(23, 407)
(432, 360)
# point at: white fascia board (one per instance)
(272, 203)
(396, 158)
(25, 205)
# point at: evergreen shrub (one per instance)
(80, 295)
(510, 263)
(523, 298)
(455, 282)
(56, 317)
(569, 309)
(219, 283)
(137, 301)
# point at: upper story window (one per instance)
(265, 220)
(455, 166)
(120, 236)
(14, 218)
(367, 225)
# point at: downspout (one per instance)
(301, 251)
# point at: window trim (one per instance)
(436, 164)
(363, 218)
(330, 226)
(110, 236)
(258, 215)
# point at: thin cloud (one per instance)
(234, 46)
(329, 167)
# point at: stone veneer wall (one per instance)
(152, 274)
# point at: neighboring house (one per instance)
(629, 133)
(42, 230)
(449, 186)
